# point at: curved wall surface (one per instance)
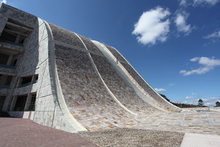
(82, 84)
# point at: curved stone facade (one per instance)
(78, 84)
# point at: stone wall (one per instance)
(116, 54)
(85, 95)
(91, 47)
(161, 101)
(66, 36)
(123, 92)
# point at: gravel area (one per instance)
(134, 138)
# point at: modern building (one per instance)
(63, 80)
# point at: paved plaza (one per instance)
(194, 120)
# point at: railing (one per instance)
(10, 42)
(26, 84)
(7, 66)
(4, 86)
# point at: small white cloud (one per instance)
(152, 26)
(183, 2)
(208, 64)
(160, 89)
(214, 35)
(196, 3)
(210, 101)
(181, 24)
(3, 1)
(172, 84)
(192, 96)
(202, 2)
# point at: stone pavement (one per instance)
(25, 133)
(193, 120)
(157, 129)
(200, 140)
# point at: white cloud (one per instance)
(213, 35)
(208, 101)
(160, 89)
(3, 1)
(181, 24)
(209, 2)
(152, 26)
(183, 2)
(208, 64)
(172, 84)
(198, 2)
(192, 96)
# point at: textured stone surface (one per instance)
(85, 95)
(134, 138)
(19, 15)
(116, 54)
(124, 93)
(65, 36)
(147, 88)
(195, 120)
(90, 46)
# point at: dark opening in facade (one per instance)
(2, 101)
(5, 81)
(20, 103)
(26, 81)
(8, 37)
(35, 78)
(3, 58)
(32, 103)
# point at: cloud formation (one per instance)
(209, 2)
(183, 2)
(198, 2)
(152, 26)
(214, 35)
(208, 101)
(208, 64)
(3, 1)
(160, 89)
(192, 96)
(181, 24)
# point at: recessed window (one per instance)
(2, 100)
(8, 37)
(3, 58)
(32, 102)
(5, 81)
(15, 32)
(20, 103)
(35, 78)
(26, 80)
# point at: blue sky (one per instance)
(174, 44)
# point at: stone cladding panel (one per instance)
(124, 93)
(85, 95)
(66, 36)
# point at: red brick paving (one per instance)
(16, 132)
